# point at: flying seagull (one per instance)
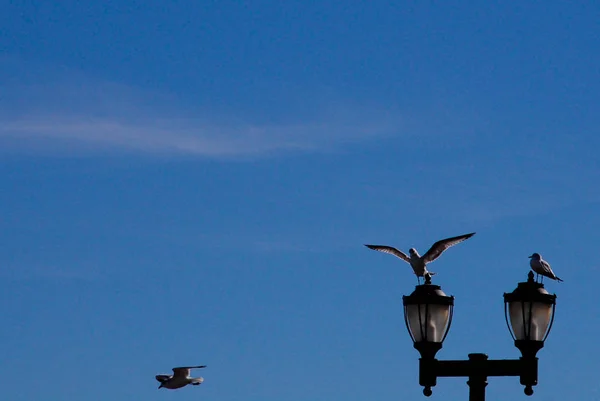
(418, 262)
(541, 267)
(180, 378)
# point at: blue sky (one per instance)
(193, 183)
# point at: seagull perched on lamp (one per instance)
(418, 262)
(541, 267)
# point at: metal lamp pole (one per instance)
(529, 312)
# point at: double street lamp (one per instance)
(529, 313)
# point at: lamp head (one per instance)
(428, 315)
(529, 312)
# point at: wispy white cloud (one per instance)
(28, 272)
(193, 137)
(75, 114)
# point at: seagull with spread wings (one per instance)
(541, 267)
(180, 378)
(418, 262)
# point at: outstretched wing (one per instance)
(391, 250)
(181, 372)
(162, 378)
(436, 249)
(184, 371)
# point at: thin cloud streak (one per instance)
(30, 272)
(50, 110)
(193, 137)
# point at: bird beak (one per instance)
(530, 256)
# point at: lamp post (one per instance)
(529, 313)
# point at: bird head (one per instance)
(535, 256)
(413, 251)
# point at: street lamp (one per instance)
(530, 310)
(428, 315)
